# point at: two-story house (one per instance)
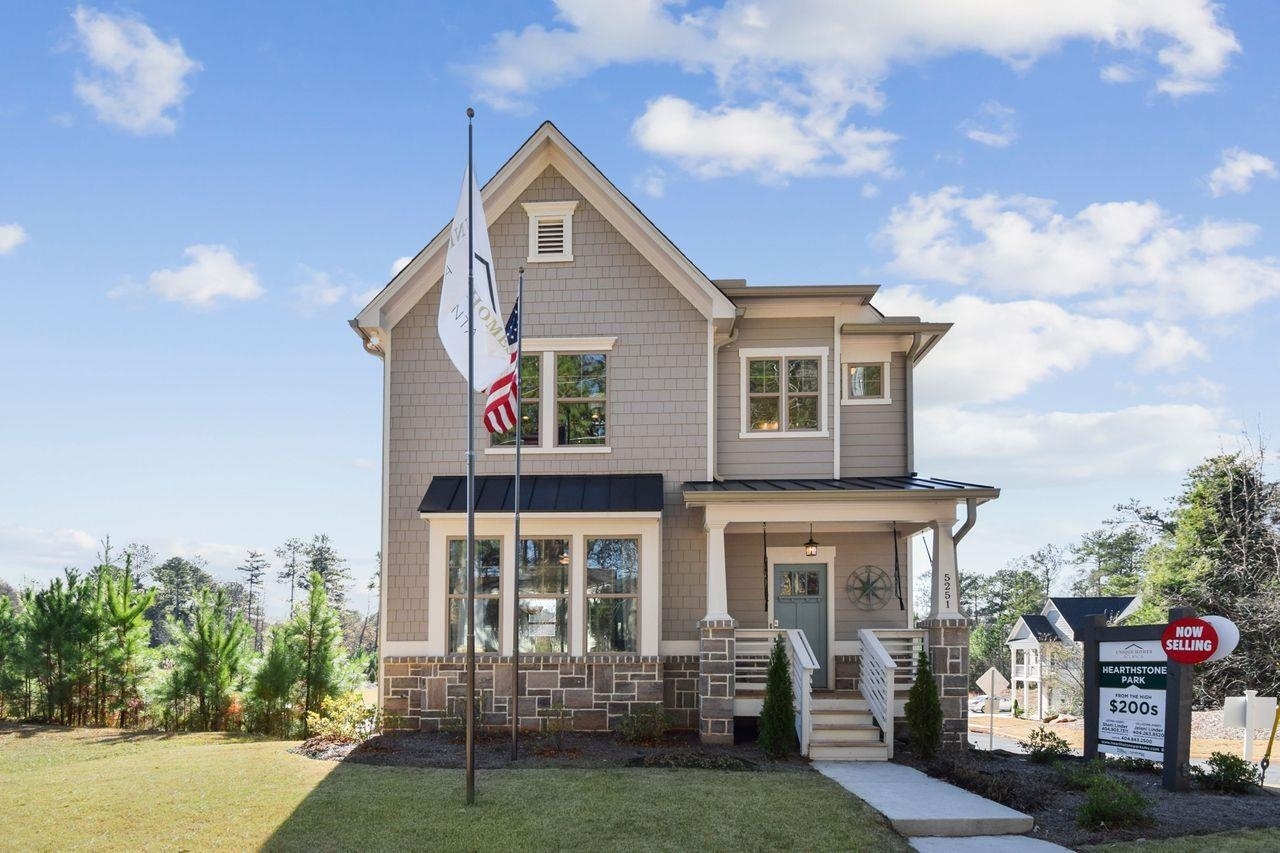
(707, 465)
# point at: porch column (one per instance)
(948, 638)
(716, 648)
(946, 580)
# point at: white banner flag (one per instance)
(492, 357)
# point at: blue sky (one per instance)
(195, 198)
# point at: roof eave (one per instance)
(696, 497)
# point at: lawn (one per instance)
(1245, 841)
(107, 790)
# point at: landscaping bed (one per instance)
(1041, 790)
(586, 750)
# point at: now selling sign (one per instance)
(1189, 641)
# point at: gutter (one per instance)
(715, 361)
(971, 518)
(372, 343)
(910, 382)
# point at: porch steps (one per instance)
(844, 730)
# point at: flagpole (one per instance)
(515, 619)
(471, 469)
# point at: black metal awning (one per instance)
(696, 492)
(548, 493)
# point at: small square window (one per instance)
(865, 382)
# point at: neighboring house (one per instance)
(707, 466)
(1043, 646)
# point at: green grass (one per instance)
(1242, 841)
(82, 789)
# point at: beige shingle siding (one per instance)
(873, 438)
(656, 398)
(771, 457)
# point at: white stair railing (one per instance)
(803, 663)
(877, 682)
(752, 647)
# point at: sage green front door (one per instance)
(800, 601)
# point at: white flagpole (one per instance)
(471, 470)
(515, 621)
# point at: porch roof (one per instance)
(548, 493)
(842, 489)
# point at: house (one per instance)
(1042, 645)
(707, 466)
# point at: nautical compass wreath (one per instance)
(868, 588)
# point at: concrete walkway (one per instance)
(918, 806)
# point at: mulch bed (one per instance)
(678, 750)
(1037, 790)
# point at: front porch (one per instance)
(826, 567)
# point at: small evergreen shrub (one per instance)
(1111, 804)
(559, 722)
(1133, 764)
(778, 714)
(1017, 709)
(1228, 773)
(1080, 776)
(924, 711)
(645, 724)
(344, 718)
(1044, 746)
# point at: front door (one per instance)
(800, 601)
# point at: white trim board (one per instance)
(789, 555)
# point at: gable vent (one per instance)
(550, 230)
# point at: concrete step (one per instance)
(841, 702)
(843, 718)
(847, 752)
(837, 733)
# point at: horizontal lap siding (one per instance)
(656, 399)
(770, 457)
(873, 438)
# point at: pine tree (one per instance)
(324, 561)
(291, 555)
(316, 633)
(130, 630)
(254, 568)
(924, 711)
(211, 656)
(778, 714)
(276, 681)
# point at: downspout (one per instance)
(909, 381)
(971, 518)
(715, 361)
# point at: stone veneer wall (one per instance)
(427, 693)
(948, 644)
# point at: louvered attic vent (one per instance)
(550, 230)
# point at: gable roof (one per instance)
(1078, 611)
(1037, 626)
(547, 147)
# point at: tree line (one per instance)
(1214, 546)
(136, 642)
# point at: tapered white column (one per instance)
(946, 580)
(717, 585)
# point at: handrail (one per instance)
(752, 647)
(803, 663)
(877, 683)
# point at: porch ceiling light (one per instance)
(810, 547)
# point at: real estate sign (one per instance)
(1131, 698)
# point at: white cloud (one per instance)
(1168, 347)
(364, 297)
(1122, 256)
(399, 264)
(1237, 171)
(869, 191)
(1199, 388)
(30, 554)
(213, 273)
(1119, 73)
(770, 141)
(1052, 448)
(318, 291)
(137, 80)
(12, 235)
(653, 183)
(992, 126)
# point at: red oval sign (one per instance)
(1189, 641)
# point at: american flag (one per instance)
(500, 410)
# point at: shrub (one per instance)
(645, 724)
(924, 711)
(1023, 793)
(1133, 764)
(1081, 776)
(778, 714)
(1044, 746)
(1228, 773)
(1017, 709)
(343, 718)
(1111, 804)
(558, 722)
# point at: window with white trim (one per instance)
(488, 573)
(613, 594)
(784, 393)
(550, 231)
(542, 583)
(563, 397)
(866, 382)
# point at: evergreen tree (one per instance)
(125, 609)
(924, 711)
(11, 659)
(276, 682)
(292, 564)
(254, 568)
(1110, 560)
(333, 569)
(178, 583)
(778, 713)
(57, 632)
(211, 657)
(316, 634)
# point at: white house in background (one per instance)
(1034, 636)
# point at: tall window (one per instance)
(543, 588)
(784, 394)
(488, 569)
(580, 399)
(530, 394)
(613, 573)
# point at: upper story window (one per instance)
(550, 230)
(784, 392)
(866, 382)
(563, 397)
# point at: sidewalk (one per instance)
(934, 815)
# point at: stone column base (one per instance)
(715, 680)
(948, 646)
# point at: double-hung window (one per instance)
(530, 410)
(784, 393)
(564, 401)
(488, 574)
(613, 593)
(543, 595)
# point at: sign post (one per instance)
(992, 683)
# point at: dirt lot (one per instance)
(1207, 733)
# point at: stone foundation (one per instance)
(588, 693)
(848, 668)
(948, 644)
(717, 649)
